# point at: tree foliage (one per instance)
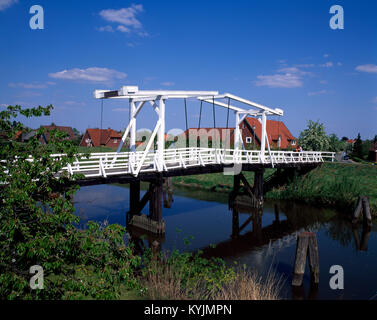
(37, 222)
(314, 138)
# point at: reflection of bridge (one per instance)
(154, 165)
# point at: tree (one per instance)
(335, 145)
(357, 149)
(37, 222)
(314, 138)
(77, 137)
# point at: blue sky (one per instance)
(278, 53)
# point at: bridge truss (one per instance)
(162, 159)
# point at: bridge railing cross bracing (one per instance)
(130, 163)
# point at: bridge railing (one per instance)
(107, 164)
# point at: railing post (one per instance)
(263, 138)
(161, 133)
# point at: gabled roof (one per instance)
(274, 130)
(102, 136)
(67, 130)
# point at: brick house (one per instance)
(278, 134)
(101, 138)
(46, 136)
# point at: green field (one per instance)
(333, 184)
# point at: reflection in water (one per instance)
(261, 239)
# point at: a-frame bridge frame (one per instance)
(157, 99)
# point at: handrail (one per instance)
(112, 163)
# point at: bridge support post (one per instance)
(134, 196)
(155, 202)
(258, 186)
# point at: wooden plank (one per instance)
(356, 213)
(366, 210)
(300, 259)
(314, 258)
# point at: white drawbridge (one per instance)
(149, 160)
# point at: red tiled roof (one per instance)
(274, 130)
(67, 130)
(102, 136)
(350, 141)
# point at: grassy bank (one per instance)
(333, 184)
(186, 276)
(214, 182)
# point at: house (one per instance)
(207, 136)
(278, 134)
(101, 138)
(373, 152)
(46, 136)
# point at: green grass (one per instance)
(214, 181)
(333, 184)
(95, 149)
(336, 185)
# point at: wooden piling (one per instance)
(306, 244)
(134, 196)
(155, 203)
(356, 213)
(362, 204)
(258, 186)
(366, 212)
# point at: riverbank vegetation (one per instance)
(38, 230)
(186, 277)
(332, 184)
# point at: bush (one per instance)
(37, 223)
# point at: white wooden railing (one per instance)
(110, 164)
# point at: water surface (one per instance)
(267, 239)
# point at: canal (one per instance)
(262, 241)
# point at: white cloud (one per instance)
(123, 29)
(287, 80)
(5, 4)
(339, 64)
(293, 70)
(94, 74)
(126, 18)
(323, 81)
(374, 100)
(370, 68)
(289, 77)
(35, 85)
(326, 55)
(106, 29)
(327, 65)
(316, 93)
(167, 84)
(120, 109)
(307, 65)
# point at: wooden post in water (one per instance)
(155, 203)
(306, 244)
(134, 199)
(258, 186)
(366, 212)
(362, 204)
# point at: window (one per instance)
(115, 140)
(249, 140)
(293, 142)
